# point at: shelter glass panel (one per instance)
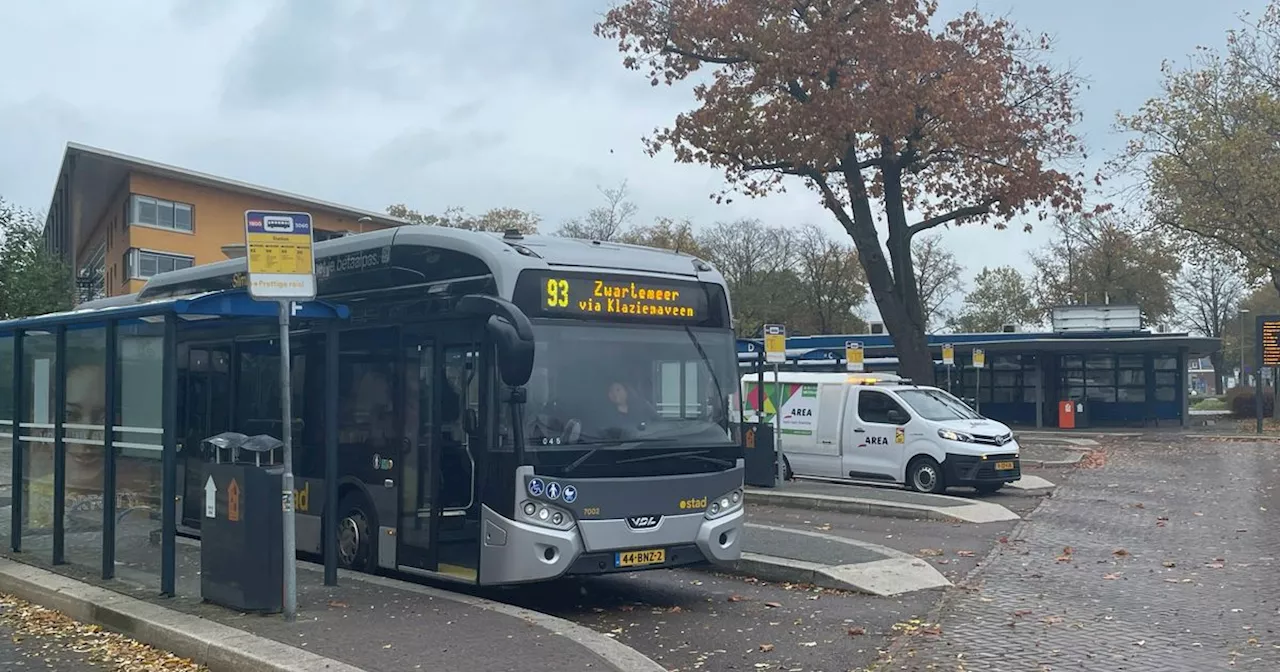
(6, 427)
(36, 442)
(139, 436)
(84, 416)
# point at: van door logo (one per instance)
(878, 440)
(643, 522)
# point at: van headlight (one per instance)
(725, 504)
(545, 515)
(953, 435)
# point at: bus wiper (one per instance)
(587, 455)
(693, 454)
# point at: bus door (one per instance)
(439, 508)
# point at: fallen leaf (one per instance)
(766, 648)
(732, 598)
(773, 605)
(1214, 565)
(931, 630)
(1111, 577)
(1022, 612)
(1003, 540)
(1050, 620)
(1139, 505)
(1120, 553)
(1169, 563)
(675, 610)
(808, 643)
(337, 605)
(857, 632)
(965, 554)
(930, 552)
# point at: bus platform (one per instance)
(369, 623)
(880, 501)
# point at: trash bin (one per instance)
(1066, 414)
(1082, 413)
(241, 554)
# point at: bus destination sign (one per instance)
(606, 296)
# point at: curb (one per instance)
(896, 574)
(620, 656)
(218, 647)
(970, 512)
(1236, 437)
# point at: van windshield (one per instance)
(937, 405)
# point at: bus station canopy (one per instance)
(222, 304)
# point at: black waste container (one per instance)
(1082, 413)
(761, 456)
(241, 554)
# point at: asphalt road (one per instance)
(39, 653)
(697, 620)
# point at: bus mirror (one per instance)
(512, 331)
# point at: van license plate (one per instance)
(1004, 466)
(653, 556)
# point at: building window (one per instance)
(143, 264)
(91, 279)
(148, 211)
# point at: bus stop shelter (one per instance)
(89, 403)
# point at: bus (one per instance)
(511, 408)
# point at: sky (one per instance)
(478, 104)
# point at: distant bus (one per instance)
(601, 440)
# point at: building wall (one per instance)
(217, 220)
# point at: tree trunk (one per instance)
(909, 343)
(1216, 359)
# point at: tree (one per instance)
(757, 262)
(937, 276)
(1000, 296)
(32, 279)
(1207, 146)
(1209, 293)
(667, 234)
(864, 102)
(496, 219)
(1107, 259)
(831, 285)
(606, 222)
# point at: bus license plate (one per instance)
(1004, 466)
(653, 556)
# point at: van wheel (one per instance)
(357, 523)
(787, 474)
(924, 475)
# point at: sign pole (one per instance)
(775, 351)
(979, 362)
(281, 267)
(286, 486)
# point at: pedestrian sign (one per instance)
(948, 354)
(979, 358)
(853, 356)
(775, 343)
(281, 262)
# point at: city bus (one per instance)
(511, 408)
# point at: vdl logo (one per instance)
(643, 522)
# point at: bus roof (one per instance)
(505, 254)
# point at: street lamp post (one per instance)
(1243, 312)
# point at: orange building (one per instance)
(118, 220)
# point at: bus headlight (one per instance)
(545, 515)
(724, 504)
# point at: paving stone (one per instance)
(1172, 567)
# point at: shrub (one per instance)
(1240, 401)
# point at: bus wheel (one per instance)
(356, 523)
(924, 475)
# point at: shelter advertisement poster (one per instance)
(799, 405)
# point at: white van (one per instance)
(878, 427)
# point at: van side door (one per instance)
(873, 443)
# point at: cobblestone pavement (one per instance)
(1162, 559)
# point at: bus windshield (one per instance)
(617, 386)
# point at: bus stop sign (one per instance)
(280, 262)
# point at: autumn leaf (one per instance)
(766, 648)
(773, 605)
(1120, 553)
(1111, 577)
(1022, 612)
(965, 554)
(930, 552)
(736, 598)
(857, 632)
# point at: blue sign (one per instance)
(553, 490)
(535, 487)
(570, 494)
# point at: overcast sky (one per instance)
(477, 104)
